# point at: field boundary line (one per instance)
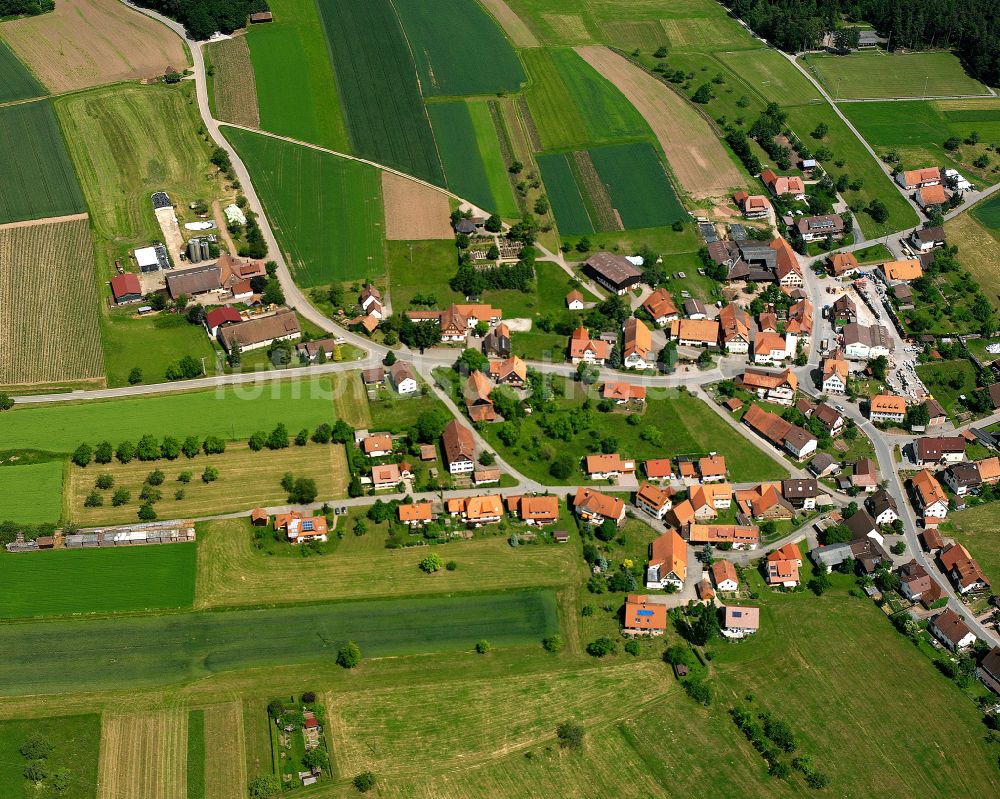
(48, 220)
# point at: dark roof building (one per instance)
(198, 280)
(459, 447)
(260, 331)
(613, 271)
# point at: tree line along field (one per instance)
(880, 75)
(36, 174)
(48, 274)
(16, 80)
(296, 90)
(155, 650)
(31, 493)
(75, 744)
(376, 76)
(458, 48)
(325, 210)
(245, 479)
(234, 413)
(233, 87)
(64, 582)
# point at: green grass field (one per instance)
(488, 141)
(75, 744)
(459, 49)
(378, 87)
(16, 80)
(326, 211)
(976, 528)
(564, 194)
(638, 186)
(573, 106)
(30, 494)
(296, 91)
(688, 425)
(235, 413)
(772, 75)
(67, 582)
(876, 75)
(468, 173)
(937, 376)
(36, 174)
(196, 755)
(146, 651)
(988, 213)
(979, 252)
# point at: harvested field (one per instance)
(697, 158)
(42, 262)
(414, 211)
(91, 42)
(143, 756)
(592, 189)
(225, 766)
(515, 27)
(233, 83)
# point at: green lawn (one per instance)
(16, 80)
(67, 582)
(488, 140)
(988, 213)
(75, 744)
(937, 376)
(147, 651)
(235, 413)
(296, 91)
(32, 493)
(976, 528)
(772, 75)
(421, 267)
(876, 74)
(875, 254)
(196, 754)
(688, 427)
(325, 210)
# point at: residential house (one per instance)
(457, 320)
(637, 347)
(484, 475)
(926, 239)
(911, 179)
(862, 342)
(835, 372)
(695, 309)
(932, 450)
(535, 510)
(371, 301)
(667, 561)
(936, 413)
(989, 670)
(917, 585)
(740, 621)
(823, 465)
(301, 529)
(738, 536)
(643, 617)
(260, 331)
(608, 466)
(509, 372)
(799, 442)
(896, 271)
(217, 317)
(929, 498)
(814, 228)
(695, 332)
(574, 300)
(477, 511)
(385, 476)
(416, 514)
(903, 295)
(681, 515)
(962, 569)
(259, 517)
(459, 448)
(584, 349)
(843, 309)
(614, 272)
(658, 469)
(787, 270)
(962, 478)
(126, 288)
(622, 393)
(712, 468)
(882, 507)
(989, 470)
(801, 493)
(734, 329)
(653, 500)
(595, 507)
(767, 322)
(753, 206)
(708, 499)
(772, 347)
(778, 388)
(403, 378)
(782, 566)
(660, 307)
(951, 631)
(843, 264)
(862, 525)
(930, 197)
(887, 408)
(373, 377)
(328, 346)
(724, 576)
(800, 319)
(496, 343)
(782, 186)
(830, 418)
(865, 475)
(377, 445)
(764, 501)
(477, 398)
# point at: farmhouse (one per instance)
(893, 271)
(835, 372)
(194, 281)
(416, 514)
(778, 388)
(930, 197)
(916, 178)
(734, 329)
(887, 408)
(695, 309)
(477, 398)
(477, 510)
(660, 307)
(457, 320)
(584, 349)
(496, 343)
(783, 566)
(574, 300)
(772, 347)
(782, 186)
(402, 377)
(724, 576)
(595, 507)
(753, 206)
(643, 617)
(614, 272)
(217, 317)
(371, 301)
(787, 272)
(813, 228)
(862, 342)
(929, 498)
(484, 475)
(962, 569)
(459, 448)
(951, 631)
(637, 345)
(653, 500)
(695, 332)
(739, 621)
(605, 467)
(535, 510)
(926, 239)
(843, 264)
(236, 270)
(260, 331)
(126, 288)
(509, 372)
(882, 507)
(621, 393)
(739, 536)
(764, 502)
(799, 442)
(667, 561)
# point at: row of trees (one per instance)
(26, 8)
(149, 448)
(202, 18)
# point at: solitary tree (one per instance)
(431, 563)
(570, 734)
(349, 655)
(364, 782)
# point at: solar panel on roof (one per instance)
(307, 526)
(737, 614)
(644, 613)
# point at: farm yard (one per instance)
(16, 81)
(30, 493)
(233, 413)
(296, 91)
(75, 744)
(325, 210)
(144, 754)
(378, 86)
(156, 650)
(36, 175)
(878, 74)
(413, 211)
(68, 582)
(42, 261)
(92, 42)
(234, 90)
(459, 49)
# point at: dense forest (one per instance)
(202, 18)
(27, 8)
(970, 27)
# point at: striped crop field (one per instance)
(638, 185)
(564, 194)
(47, 273)
(36, 175)
(144, 754)
(233, 84)
(16, 81)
